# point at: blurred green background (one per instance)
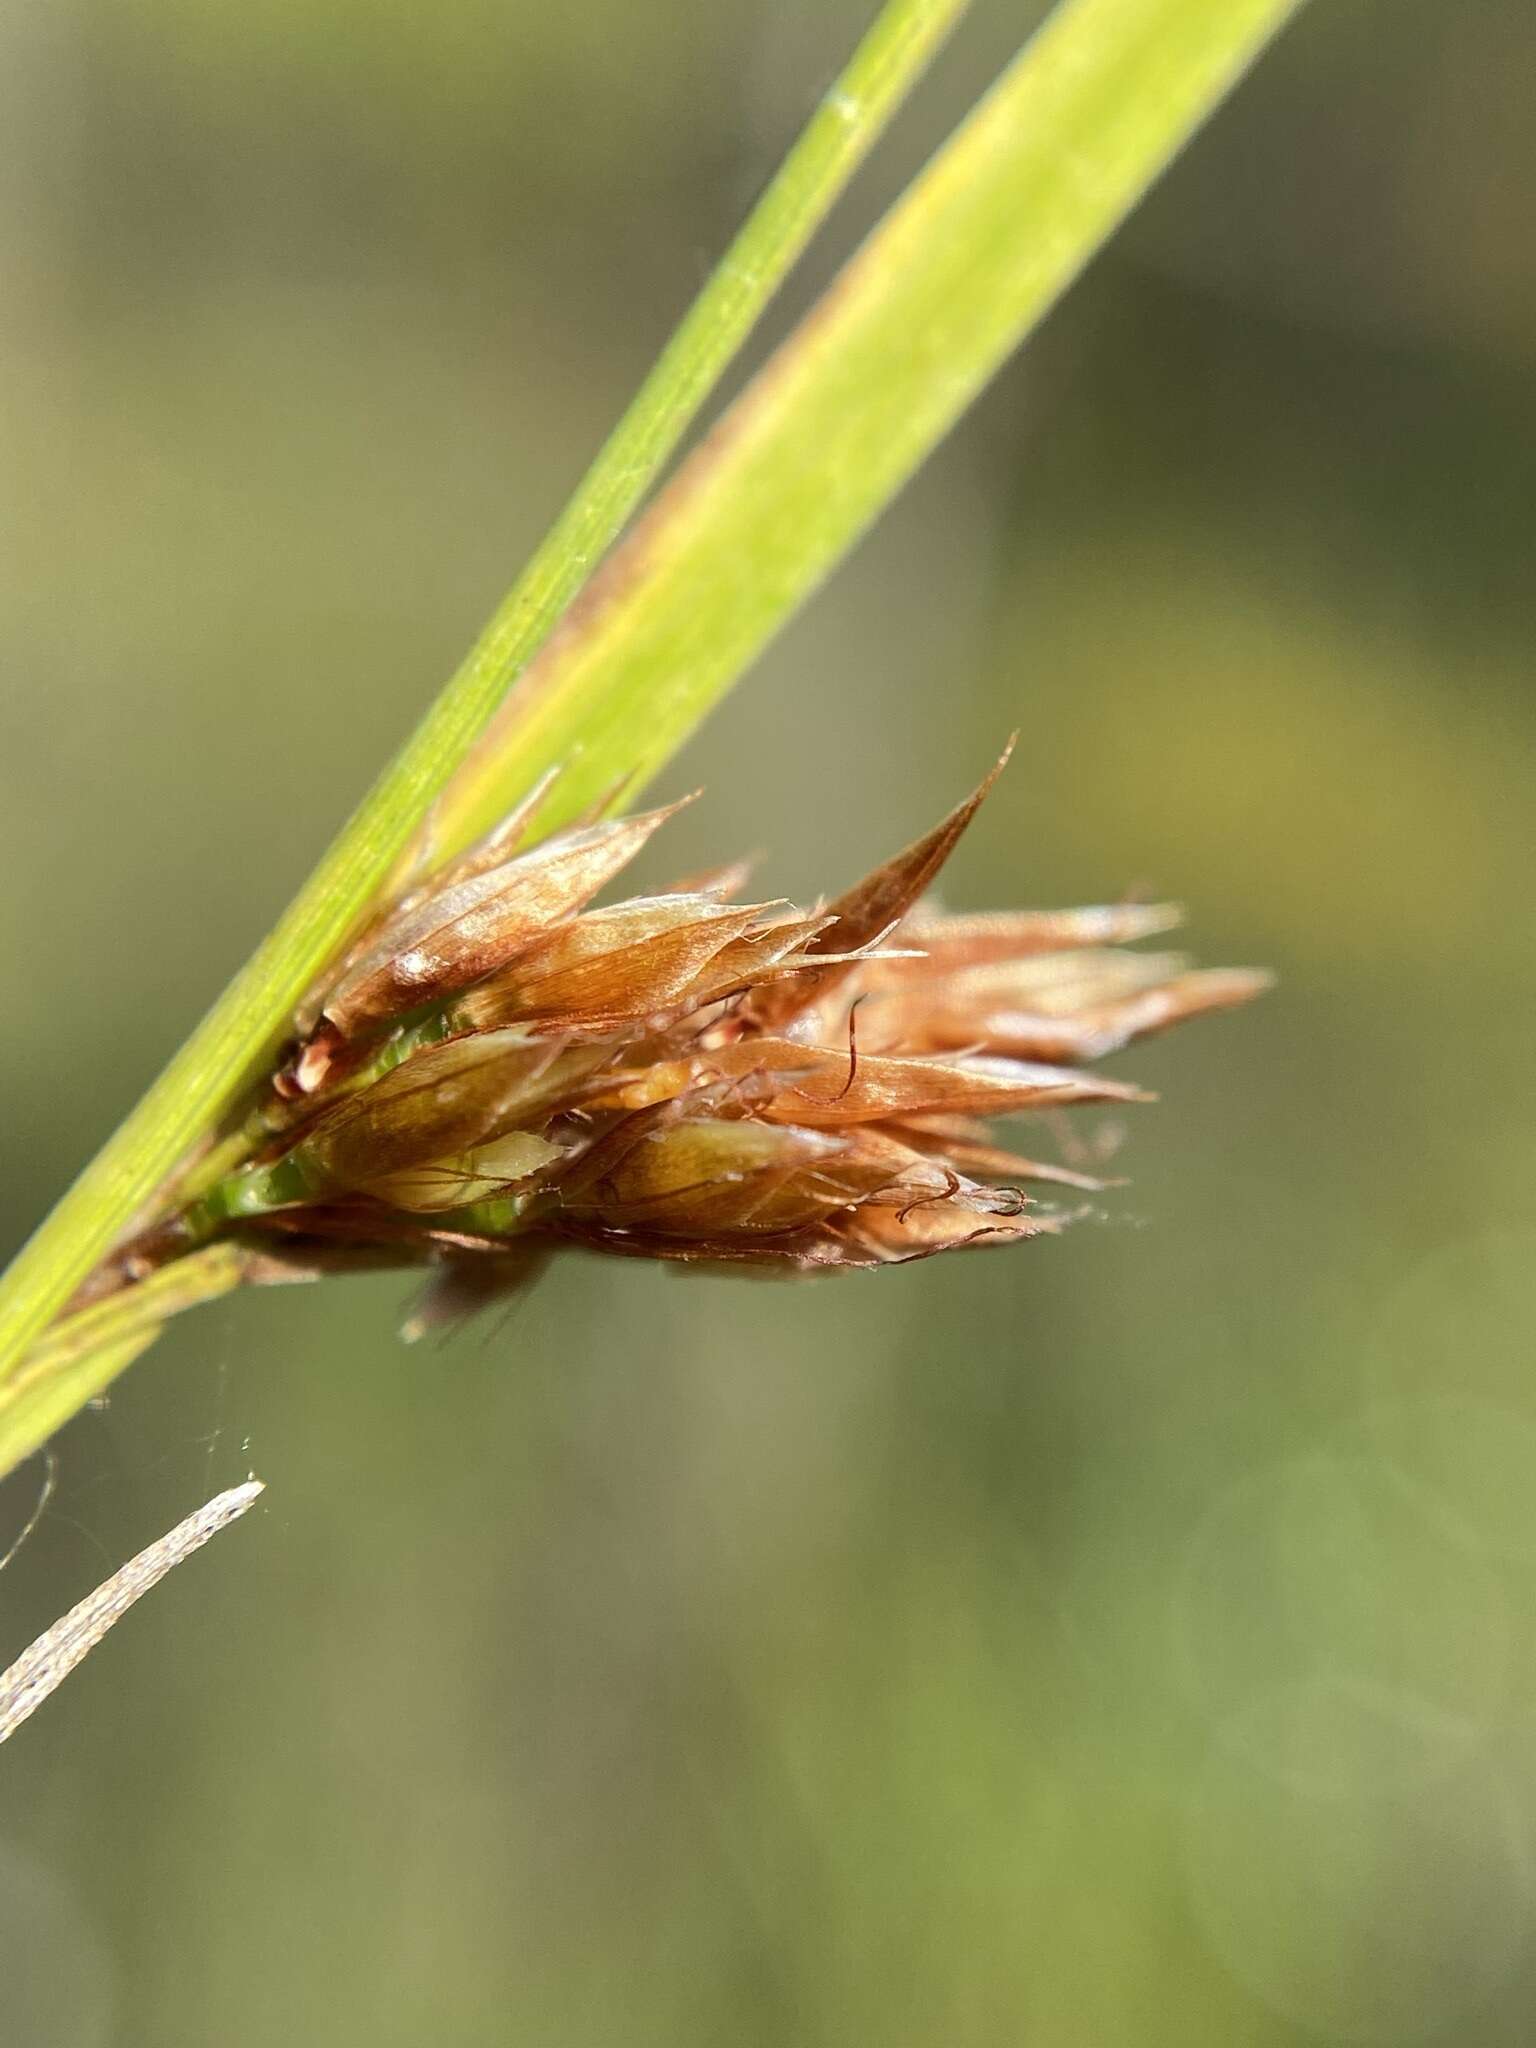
(1126, 1640)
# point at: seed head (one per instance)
(499, 1067)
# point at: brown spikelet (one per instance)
(497, 847)
(449, 938)
(872, 907)
(823, 1086)
(609, 967)
(441, 1104)
(1015, 935)
(1070, 1017)
(501, 1068)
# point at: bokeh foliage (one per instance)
(1122, 1641)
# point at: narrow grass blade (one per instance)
(972, 256)
(230, 1046)
(81, 1356)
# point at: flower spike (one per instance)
(500, 1068)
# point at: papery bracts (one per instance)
(498, 1066)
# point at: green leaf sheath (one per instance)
(971, 257)
(232, 1044)
(82, 1355)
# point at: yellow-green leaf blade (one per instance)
(80, 1357)
(971, 257)
(228, 1049)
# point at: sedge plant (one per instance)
(444, 1052)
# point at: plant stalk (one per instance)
(228, 1050)
(967, 262)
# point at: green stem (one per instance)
(973, 255)
(84, 1353)
(965, 264)
(234, 1042)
